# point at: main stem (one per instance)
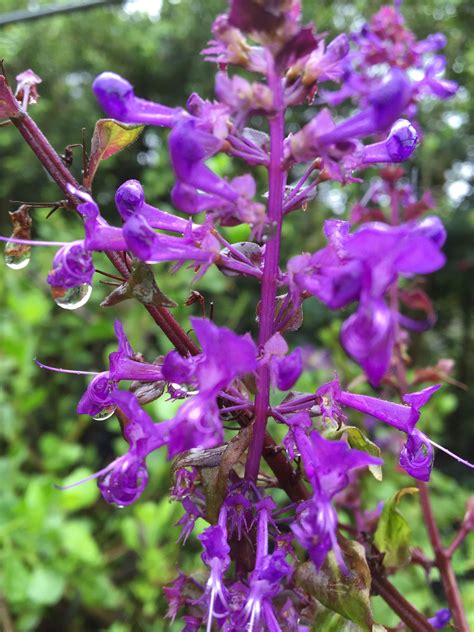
(276, 183)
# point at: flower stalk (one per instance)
(276, 183)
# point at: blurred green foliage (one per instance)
(68, 561)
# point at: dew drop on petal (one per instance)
(17, 257)
(71, 297)
(105, 413)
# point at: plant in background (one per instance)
(272, 563)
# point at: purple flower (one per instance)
(124, 480)
(174, 595)
(385, 105)
(239, 510)
(225, 356)
(315, 529)
(242, 97)
(130, 199)
(441, 619)
(97, 396)
(26, 91)
(400, 416)
(408, 249)
(416, 457)
(185, 483)
(123, 366)
(433, 83)
(363, 265)
(399, 145)
(285, 369)
(327, 64)
(368, 337)
(265, 581)
(188, 520)
(196, 424)
(117, 98)
(72, 266)
(295, 52)
(251, 16)
(99, 234)
(327, 464)
(230, 46)
(190, 146)
(198, 244)
(177, 369)
(330, 274)
(216, 557)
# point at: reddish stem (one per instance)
(407, 613)
(457, 541)
(443, 562)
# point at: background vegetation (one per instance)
(68, 561)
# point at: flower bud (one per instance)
(398, 146)
(129, 197)
(114, 94)
(432, 228)
(401, 141)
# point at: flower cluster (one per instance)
(250, 549)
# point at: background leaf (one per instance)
(392, 536)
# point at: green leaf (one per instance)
(348, 595)
(109, 138)
(79, 543)
(329, 621)
(14, 579)
(392, 536)
(359, 441)
(45, 586)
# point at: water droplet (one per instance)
(71, 297)
(105, 413)
(17, 255)
(179, 391)
(15, 258)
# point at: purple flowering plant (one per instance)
(286, 542)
